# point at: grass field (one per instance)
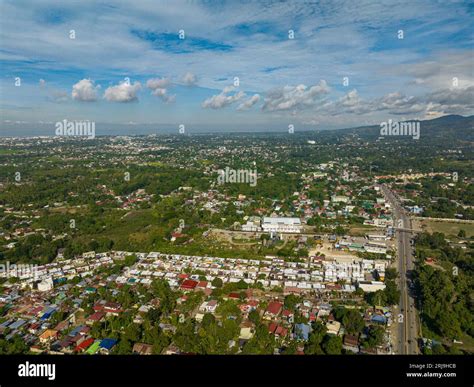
(447, 228)
(361, 229)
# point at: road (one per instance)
(406, 316)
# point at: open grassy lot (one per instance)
(447, 228)
(361, 229)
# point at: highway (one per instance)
(406, 317)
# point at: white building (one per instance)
(279, 224)
(251, 226)
(371, 286)
(45, 285)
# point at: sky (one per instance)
(233, 65)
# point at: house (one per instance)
(189, 284)
(201, 285)
(142, 349)
(61, 326)
(81, 329)
(106, 345)
(274, 308)
(378, 319)
(95, 317)
(46, 285)
(61, 346)
(93, 348)
(112, 308)
(233, 296)
(302, 331)
(333, 327)
(288, 314)
(351, 343)
(246, 333)
(172, 350)
(208, 306)
(84, 345)
(78, 339)
(277, 330)
(48, 335)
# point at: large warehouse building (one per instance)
(278, 224)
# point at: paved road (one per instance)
(407, 327)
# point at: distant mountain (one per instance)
(449, 127)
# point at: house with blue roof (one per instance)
(76, 330)
(17, 324)
(302, 331)
(106, 345)
(379, 319)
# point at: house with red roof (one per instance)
(273, 310)
(95, 317)
(84, 345)
(112, 308)
(287, 314)
(202, 285)
(277, 330)
(189, 284)
(233, 296)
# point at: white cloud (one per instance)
(123, 92)
(222, 100)
(295, 97)
(159, 89)
(451, 101)
(158, 83)
(189, 79)
(85, 90)
(247, 104)
(42, 82)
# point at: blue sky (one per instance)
(128, 63)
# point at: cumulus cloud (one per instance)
(158, 83)
(295, 97)
(85, 90)
(123, 92)
(434, 104)
(350, 103)
(158, 87)
(223, 99)
(247, 104)
(393, 103)
(189, 79)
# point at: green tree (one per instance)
(332, 345)
(353, 321)
(217, 282)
